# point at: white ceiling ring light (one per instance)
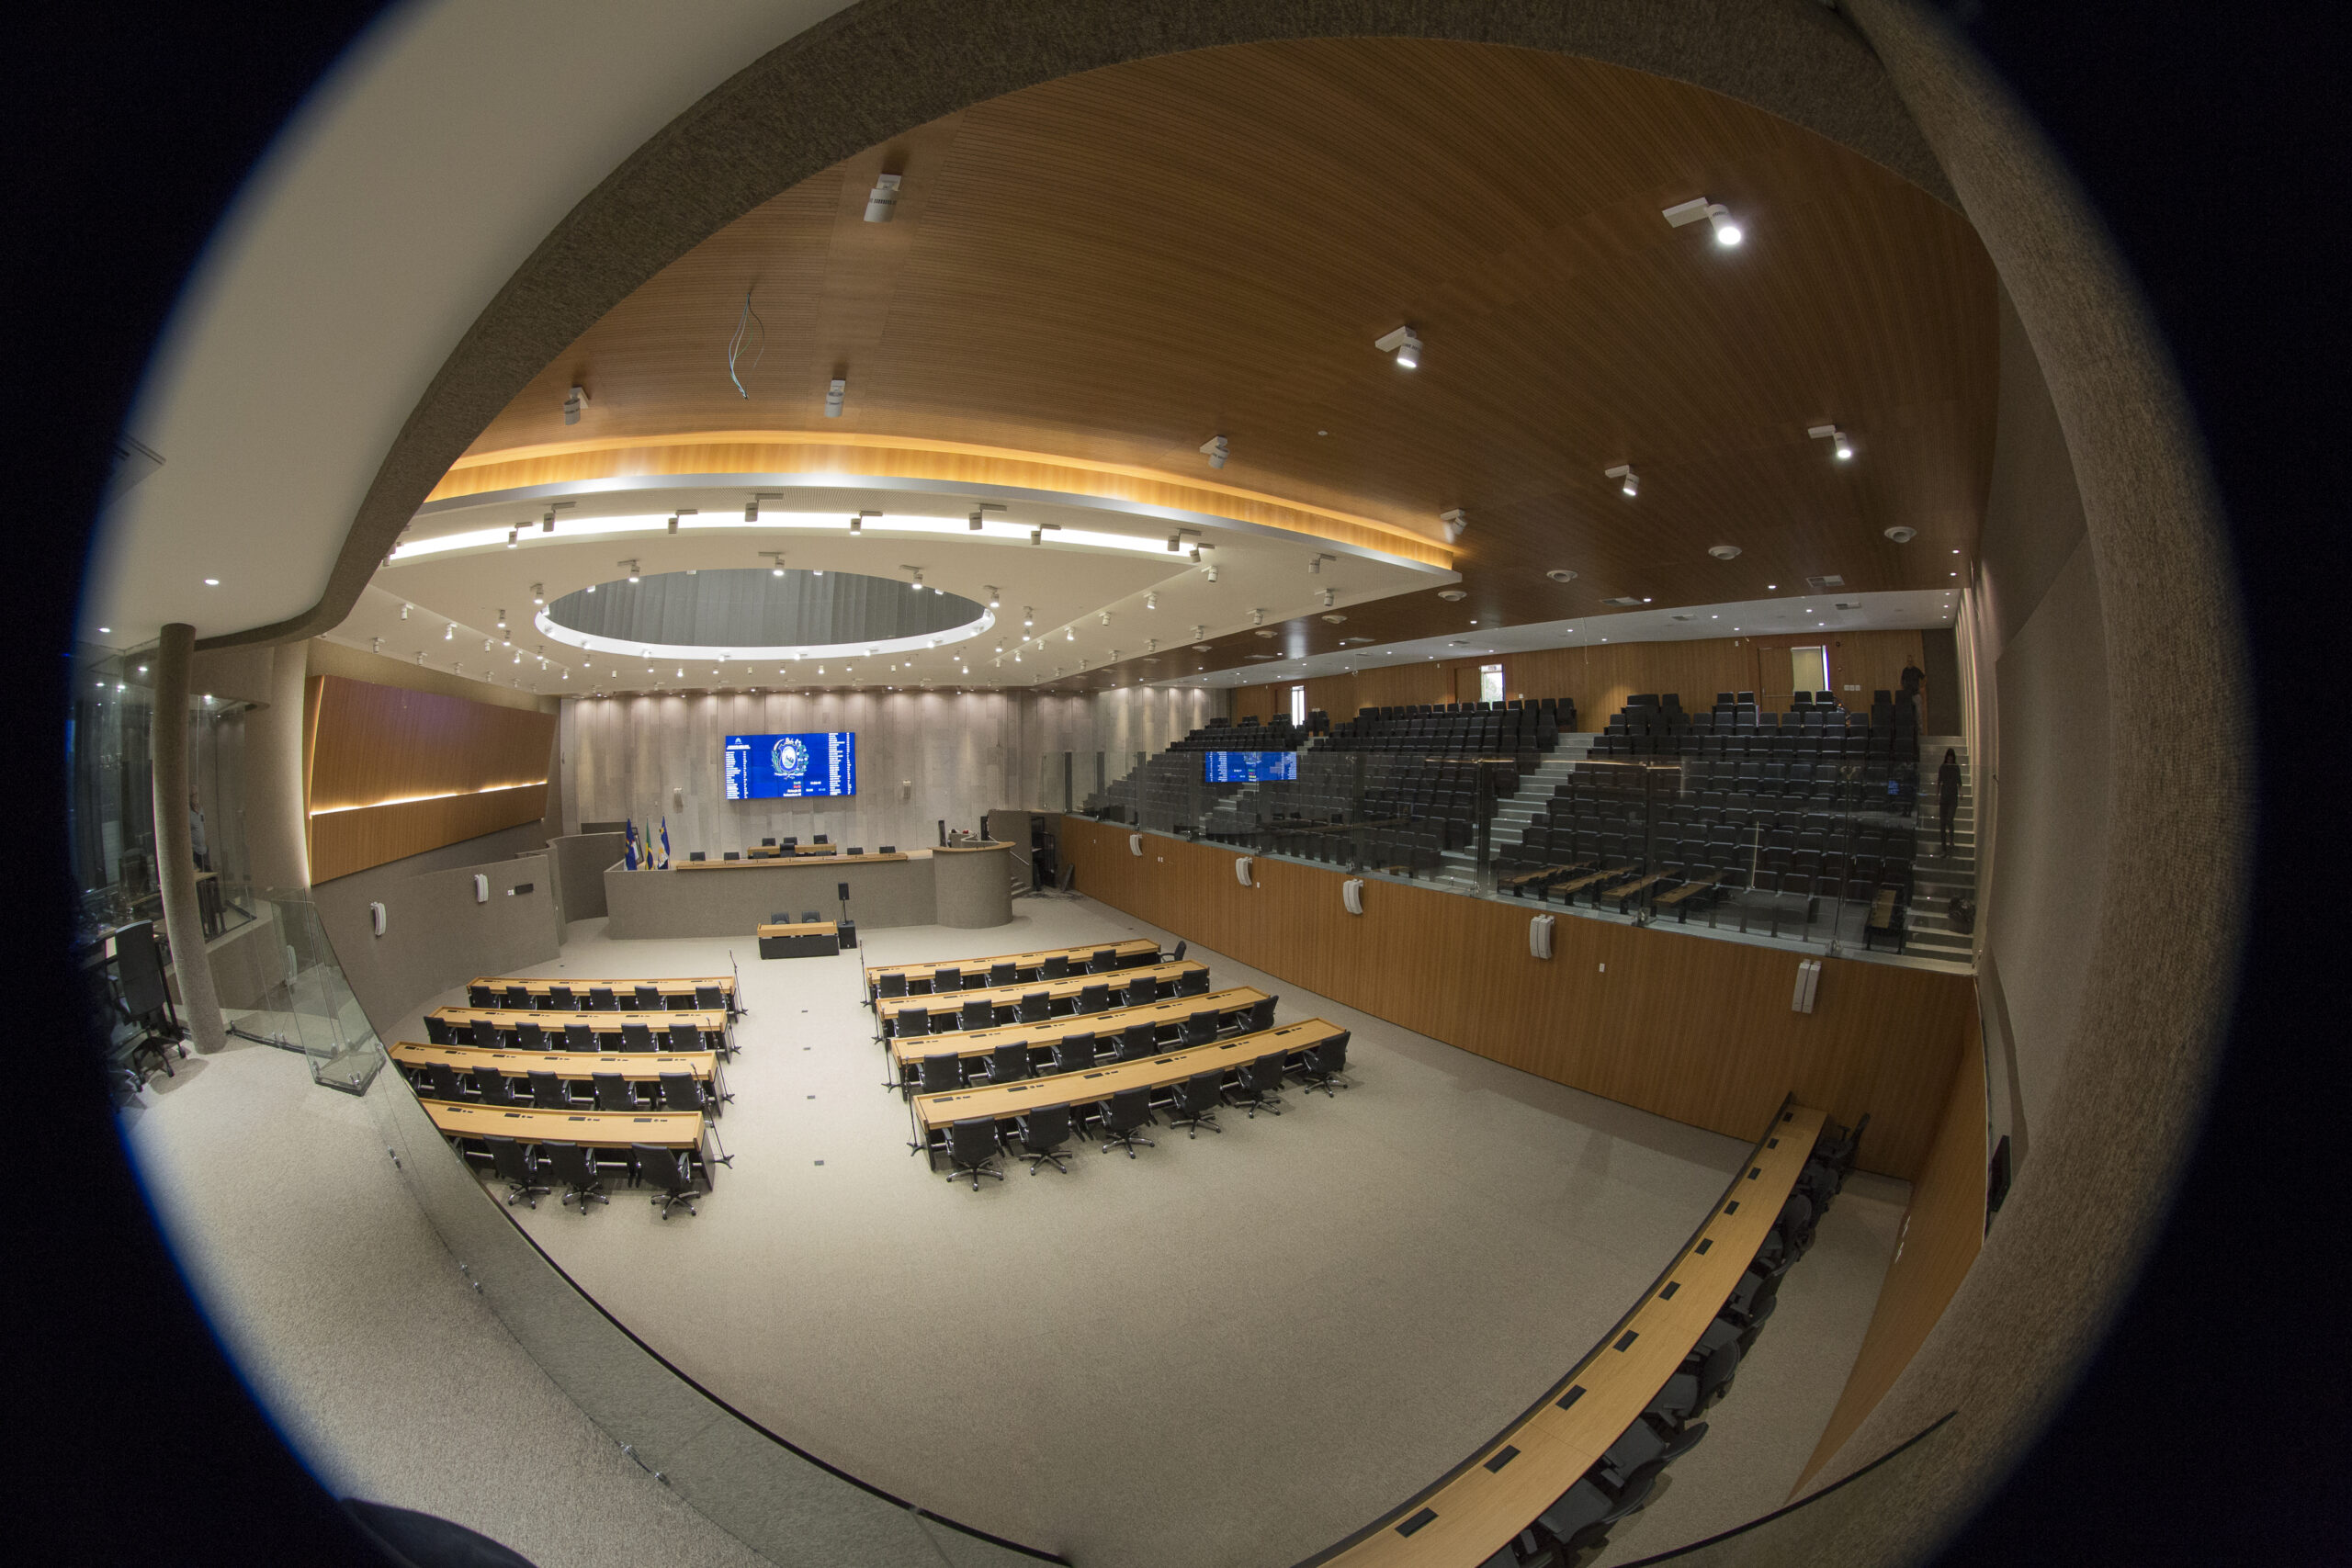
(779, 654)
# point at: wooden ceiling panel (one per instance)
(1117, 265)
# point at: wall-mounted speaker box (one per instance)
(1241, 870)
(1351, 894)
(376, 918)
(1539, 936)
(1808, 982)
(482, 887)
(1135, 843)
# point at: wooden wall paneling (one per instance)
(345, 841)
(1941, 1236)
(1695, 1030)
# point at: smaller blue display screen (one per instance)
(775, 767)
(1247, 767)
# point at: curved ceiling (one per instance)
(1114, 268)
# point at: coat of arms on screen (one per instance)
(791, 757)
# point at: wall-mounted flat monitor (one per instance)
(779, 767)
(1247, 767)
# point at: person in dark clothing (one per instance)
(1948, 792)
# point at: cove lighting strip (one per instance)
(412, 799)
(703, 653)
(956, 527)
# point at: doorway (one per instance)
(1809, 669)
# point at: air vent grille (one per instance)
(1822, 585)
(1622, 599)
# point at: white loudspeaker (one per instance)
(481, 888)
(376, 918)
(1241, 870)
(1539, 936)
(1808, 982)
(1351, 894)
(1135, 843)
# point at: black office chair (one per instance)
(1193, 983)
(481, 996)
(976, 1015)
(613, 1093)
(1035, 1006)
(513, 1162)
(637, 1037)
(946, 980)
(579, 1037)
(496, 1088)
(1105, 959)
(1255, 1086)
(1121, 1116)
(1260, 1016)
(910, 1022)
(648, 999)
(1142, 991)
(791, 843)
(529, 1036)
(1195, 1104)
(891, 985)
(550, 1093)
(820, 838)
(518, 998)
(807, 916)
(1007, 1063)
(1701, 1380)
(484, 1034)
(972, 1149)
(441, 1082)
(1094, 999)
(1198, 1027)
(1000, 975)
(1177, 956)
(1055, 967)
(1075, 1053)
(601, 999)
(710, 998)
(685, 1035)
(941, 1073)
(1324, 1065)
(560, 999)
(576, 1168)
(732, 854)
(854, 849)
(436, 1029)
(1136, 1041)
(682, 1092)
(1043, 1132)
(670, 1170)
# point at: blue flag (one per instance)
(665, 840)
(628, 843)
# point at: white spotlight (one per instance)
(882, 201)
(1839, 445)
(573, 401)
(1330, 597)
(1151, 601)
(991, 588)
(1404, 343)
(450, 635)
(835, 390)
(1717, 214)
(1629, 481)
(1218, 449)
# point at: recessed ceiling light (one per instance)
(212, 583)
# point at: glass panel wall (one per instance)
(308, 1005)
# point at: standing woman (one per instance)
(1947, 789)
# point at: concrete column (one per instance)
(974, 887)
(175, 859)
(274, 824)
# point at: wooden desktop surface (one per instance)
(1125, 950)
(602, 1129)
(713, 1020)
(1107, 1025)
(1477, 1509)
(771, 862)
(802, 928)
(1004, 1102)
(638, 1066)
(971, 849)
(1009, 995)
(537, 985)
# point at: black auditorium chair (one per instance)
(1035, 1006)
(1256, 1084)
(1105, 958)
(1122, 1116)
(1136, 1041)
(496, 1088)
(637, 1037)
(710, 998)
(685, 1035)
(1055, 966)
(1007, 1063)
(1752, 1304)
(941, 1073)
(946, 980)
(479, 996)
(910, 1022)
(1198, 1027)
(512, 1161)
(820, 838)
(1074, 1053)
(696, 855)
(1790, 1235)
(550, 1093)
(682, 1092)
(1177, 956)
(485, 1034)
(601, 999)
(1043, 1132)
(791, 843)
(1143, 990)
(1000, 975)
(1193, 983)
(1195, 1103)
(888, 850)
(893, 985)
(436, 1029)
(732, 855)
(529, 1036)
(649, 999)
(579, 1037)
(808, 917)
(670, 1170)
(972, 1149)
(768, 844)
(978, 1014)
(1698, 1383)
(1323, 1065)
(441, 1082)
(575, 1166)
(1094, 999)
(613, 1093)
(518, 998)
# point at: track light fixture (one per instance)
(538, 593)
(1218, 449)
(1028, 616)
(857, 521)
(1628, 480)
(1839, 445)
(917, 583)
(1176, 541)
(1199, 629)
(502, 620)
(631, 564)
(1037, 534)
(991, 588)
(1404, 343)
(1330, 597)
(1209, 573)
(1151, 601)
(1104, 617)
(683, 512)
(573, 401)
(1069, 634)
(882, 201)
(1315, 564)
(1256, 617)
(547, 523)
(450, 635)
(1718, 216)
(835, 390)
(510, 535)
